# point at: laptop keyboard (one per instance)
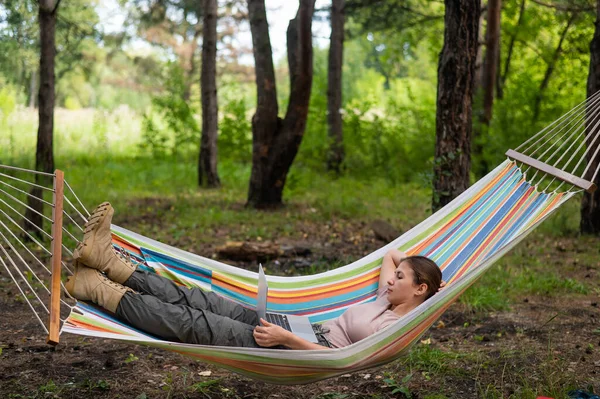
(279, 319)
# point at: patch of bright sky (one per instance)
(279, 12)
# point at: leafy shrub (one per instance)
(235, 132)
(387, 133)
(171, 127)
(395, 139)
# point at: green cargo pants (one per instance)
(174, 313)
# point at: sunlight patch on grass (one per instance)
(85, 132)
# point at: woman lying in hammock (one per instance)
(160, 307)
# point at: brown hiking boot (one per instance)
(96, 249)
(90, 285)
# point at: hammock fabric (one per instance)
(464, 238)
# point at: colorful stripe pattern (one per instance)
(464, 238)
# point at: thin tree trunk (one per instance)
(590, 203)
(498, 81)
(275, 141)
(44, 156)
(476, 145)
(478, 75)
(334, 87)
(207, 165)
(488, 82)
(550, 69)
(454, 100)
(490, 63)
(191, 70)
(511, 46)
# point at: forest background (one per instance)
(389, 85)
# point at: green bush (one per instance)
(387, 133)
(171, 127)
(395, 139)
(235, 132)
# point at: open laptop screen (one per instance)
(263, 291)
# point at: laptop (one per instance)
(299, 325)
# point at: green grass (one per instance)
(525, 373)
(83, 132)
(565, 222)
(125, 181)
(502, 286)
(517, 275)
(427, 359)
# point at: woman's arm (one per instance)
(295, 342)
(391, 260)
(269, 335)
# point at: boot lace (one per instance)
(126, 256)
(111, 283)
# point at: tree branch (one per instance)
(550, 69)
(56, 7)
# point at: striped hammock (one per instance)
(464, 238)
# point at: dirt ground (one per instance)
(543, 345)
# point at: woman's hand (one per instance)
(269, 334)
(442, 285)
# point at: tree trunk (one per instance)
(590, 204)
(488, 82)
(456, 69)
(44, 156)
(265, 121)
(207, 165)
(189, 66)
(490, 63)
(550, 69)
(478, 75)
(511, 45)
(334, 87)
(275, 141)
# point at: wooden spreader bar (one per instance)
(551, 170)
(57, 224)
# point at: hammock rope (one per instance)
(40, 245)
(25, 181)
(577, 126)
(35, 312)
(50, 204)
(573, 141)
(465, 238)
(83, 218)
(25, 205)
(587, 103)
(27, 266)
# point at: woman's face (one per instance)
(402, 288)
